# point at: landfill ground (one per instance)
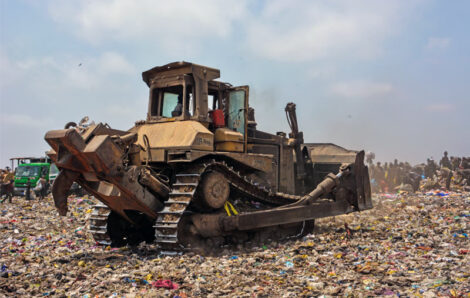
(408, 245)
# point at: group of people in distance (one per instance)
(450, 172)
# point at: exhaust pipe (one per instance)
(60, 189)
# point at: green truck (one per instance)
(29, 168)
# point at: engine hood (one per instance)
(175, 135)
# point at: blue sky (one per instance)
(392, 77)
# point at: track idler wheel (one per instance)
(215, 190)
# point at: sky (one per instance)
(391, 77)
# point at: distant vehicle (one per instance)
(32, 168)
(53, 172)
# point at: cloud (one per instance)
(163, 23)
(23, 120)
(305, 30)
(438, 43)
(43, 93)
(111, 62)
(9, 73)
(48, 76)
(361, 89)
(298, 30)
(327, 72)
(440, 107)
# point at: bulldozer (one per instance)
(197, 171)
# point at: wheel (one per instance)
(215, 190)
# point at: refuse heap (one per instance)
(409, 244)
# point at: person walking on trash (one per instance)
(445, 162)
(41, 188)
(7, 181)
(28, 190)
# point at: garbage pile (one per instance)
(409, 244)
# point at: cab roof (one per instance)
(180, 68)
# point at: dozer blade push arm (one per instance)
(350, 189)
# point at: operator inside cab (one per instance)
(168, 102)
(178, 108)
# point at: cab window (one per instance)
(189, 100)
(213, 100)
(168, 102)
(170, 105)
(236, 111)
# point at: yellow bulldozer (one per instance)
(198, 172)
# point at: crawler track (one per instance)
(249, 188)
(99, 224)
(169, 221)
(166, 226)
(184, 190)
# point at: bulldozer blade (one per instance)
(60, 189)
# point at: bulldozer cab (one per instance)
(183, 91)
(172, 100)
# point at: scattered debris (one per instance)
(408, 245)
